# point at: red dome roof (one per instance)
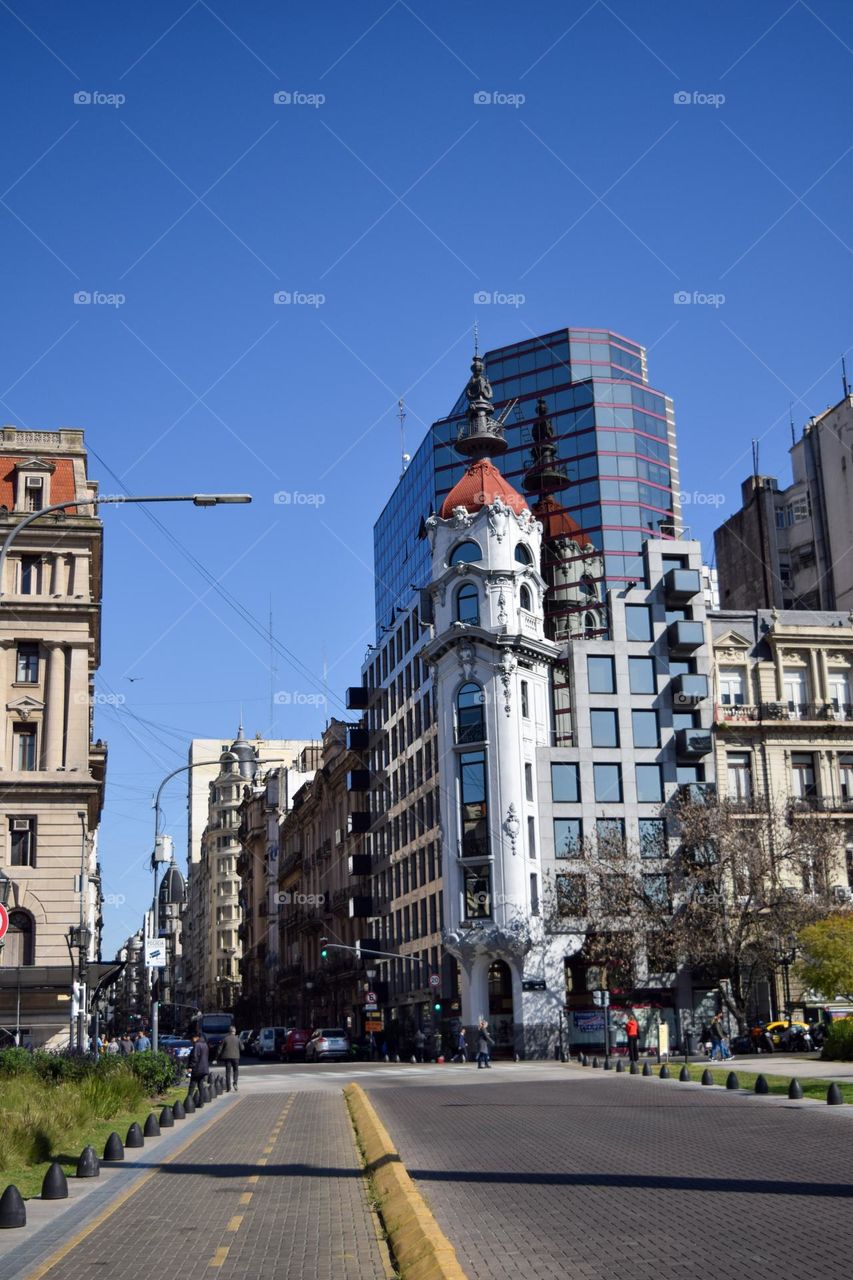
(478, 488)
(557, 523)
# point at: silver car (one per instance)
(327, 1043)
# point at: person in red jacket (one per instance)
(632, 1031)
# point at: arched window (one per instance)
(524, 599)
(587, 587)
(20, 940)
(470, 715)
(522, 553)
(468, 604)
(466, 553)
(590, 625)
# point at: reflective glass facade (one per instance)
(616, 442)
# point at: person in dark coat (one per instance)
(229, 1056)
(484, 1043)
(199, 1059)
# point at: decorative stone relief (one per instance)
(513, 940)
(499, 518)
(462, 518)
(506, 668)
(503, 617)
(512, 827)
(467, 656)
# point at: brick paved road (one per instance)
(274, 1189)
(597, 1177)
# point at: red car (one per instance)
(293, 1045)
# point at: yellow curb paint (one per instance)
(421, 1248)
(65, 1249)
(262, 1160)
(234, 1223)
(268, 1150)
(246, 1197)
(220, 1256)
(254, 1177)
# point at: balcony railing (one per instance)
(741, 713)
(821, 804)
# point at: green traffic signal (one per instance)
(437, 1006)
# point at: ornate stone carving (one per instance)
(513, 940)
(499, 514)
(462, 518)
(503, 617)
(512, 827)
(506, 669)
(467, 656)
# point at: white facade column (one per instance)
(77, 729)
(54, 712)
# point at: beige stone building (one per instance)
(51, 772)
(211, 944)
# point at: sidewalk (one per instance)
(271, 1187)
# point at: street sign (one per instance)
(370, 997)
(155, 953)
(371, 1008)
(435, 979)
(4, 920)
(601, 997)
(374, 1024)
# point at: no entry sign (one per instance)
(4, 920)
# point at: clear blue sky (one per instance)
(198, 197)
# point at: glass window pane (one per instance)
(641, 675)
(645, 727)
(638, 622)
(567, 837)
(652, 838)
(649, 785)
(608, 783)
(600, 675)
(565, 785)
(605, 728)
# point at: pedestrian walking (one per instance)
(125, 1045)
(461, 1054)
(199, 1059)
(142, 1044)
(229, 1056)
(717, 1036)
(632, 1031)
(484, 1044)
(420, 1041)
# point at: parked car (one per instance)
(246, 1038)
(294, 1043)
(327, 1043)
(269, 1041)
(176, 1048)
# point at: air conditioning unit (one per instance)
(20, 824)
(841, 893)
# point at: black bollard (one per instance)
(134, 1136)
(55, 1184)
(167, 1118)
(663, 1074)
(178, 1112)
(707, 1078)
(633, 1069)
(13, 1211)
(732, 1081)
(620, 1066)
(608, 1065)
(595, 1062)
(198, 1098)
(114, 1149)
(88, 1166)
(761, 1085)
(684, 1075)
(152, 1127)
(834, 1096)
(795, 1089)
(189, 1105)
(647, 1071)
(584, 1060)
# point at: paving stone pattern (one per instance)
(302, 1213)
(620, 1176)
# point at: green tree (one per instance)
(827, 963)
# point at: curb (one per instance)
(421, 1249)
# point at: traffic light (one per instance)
(324, 950)
(437, 1006)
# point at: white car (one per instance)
(327, 1042)
(268, 1041)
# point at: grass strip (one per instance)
(776, 1085)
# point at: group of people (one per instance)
(125, 1044)
(715, 1041)
(227, 1052)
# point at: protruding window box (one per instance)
(359, 864)
(358, 780)
(693, 742)
(358, 739)
(685, 637)
(360, 906)
(688, 689)
(358, 824)
(681, 585)
(358, 697)
(698, 792)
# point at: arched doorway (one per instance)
(501, 1006)
(20, 940)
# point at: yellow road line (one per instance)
(234, 1223)
(254, 1177)
(262, 1160)
(246, 1197)
(62, 1252)
(220, 1256)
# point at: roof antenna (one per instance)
(754, 456)
(793, 429)
(476, 337)
(844, 382)
(405, 458)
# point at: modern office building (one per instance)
(615, 472)
(789, 548)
